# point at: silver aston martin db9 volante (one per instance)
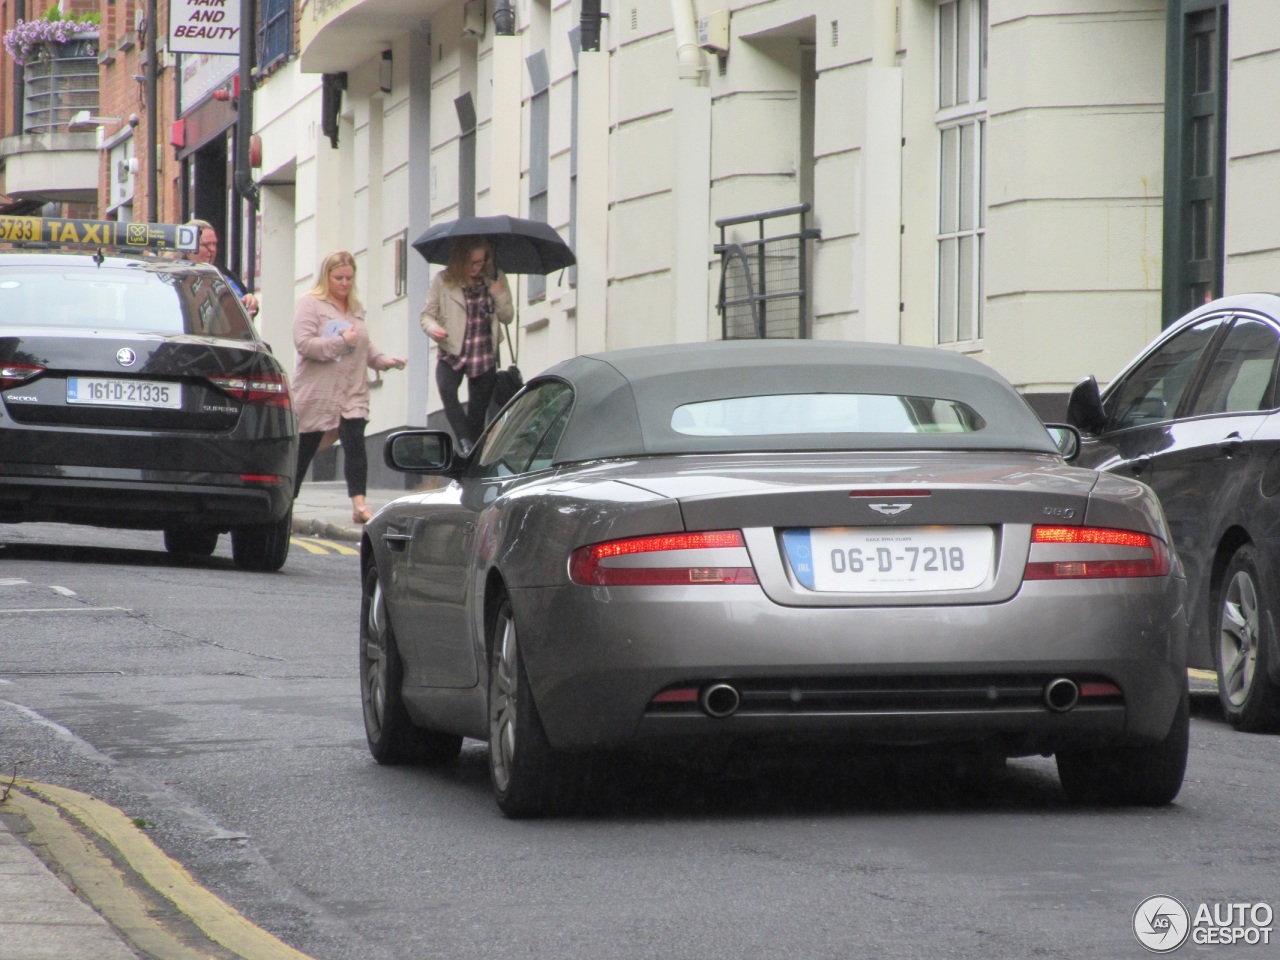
(750, 541)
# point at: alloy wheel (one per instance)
(503, 703)
(1238, 637)
(375, 656)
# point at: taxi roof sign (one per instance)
(99, 233)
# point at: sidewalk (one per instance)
(323, 509)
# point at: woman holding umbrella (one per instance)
(467, 305)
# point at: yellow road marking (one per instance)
(316, 545)
(1201, 674)
(341, 548)
(219, 920)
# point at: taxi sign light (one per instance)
(99, 233)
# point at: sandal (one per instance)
(361, 515)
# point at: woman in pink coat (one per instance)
(330, 389)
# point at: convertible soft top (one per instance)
(625, 398)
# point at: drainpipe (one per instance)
(246, 189)
(691, 217)
(19, 78)
(153, 116)
(592, 237)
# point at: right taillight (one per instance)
(262, 389)
(1095, 553)
(12, 374)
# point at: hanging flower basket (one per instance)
(32, 41)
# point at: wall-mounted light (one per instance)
(82, 121)
(384, 72)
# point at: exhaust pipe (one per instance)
(1061, 695)
(719, 700)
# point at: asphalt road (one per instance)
(222, 709)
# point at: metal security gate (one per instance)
(764, 279)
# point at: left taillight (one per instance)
(12, 374)
(260, 389)
(668, 559)
(1095, 553)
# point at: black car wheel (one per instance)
(530, 779)
(192, 541)
(1242, 649)
(1144, 775)
(262, 546)
(393, 738)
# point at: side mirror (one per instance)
(1066, 438)
(1084, 407)
(419, 451)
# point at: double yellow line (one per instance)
(316, 545)
(132, 883)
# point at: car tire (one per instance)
(1139, 775)
(191, 541)
(262, 546)
(1242, 646)
(393, 738)
(529, 778)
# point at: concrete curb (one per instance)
(150, 900)
(326, 531)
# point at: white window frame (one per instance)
(961, 121)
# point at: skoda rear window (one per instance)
(128, 300)
(824, 413)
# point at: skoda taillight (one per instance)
(262, 389)
(12, 374)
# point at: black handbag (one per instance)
(507, 384)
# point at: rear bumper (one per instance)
(596, 658)
(143, 500)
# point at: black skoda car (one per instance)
(135, 392)
(1197, 417)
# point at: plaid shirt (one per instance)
(477, 354)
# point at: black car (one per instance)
(1197, 417)
(135, 392)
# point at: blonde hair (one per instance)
(339, 258)
(457, 272)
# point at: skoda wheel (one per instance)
(1242, 648)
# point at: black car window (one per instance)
(1151, 391)
(1239, 378)
(524, 436)
(147, 298)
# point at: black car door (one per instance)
(1207, 475)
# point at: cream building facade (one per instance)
(993, 177)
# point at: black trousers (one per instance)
(355, 463)
(467, 423)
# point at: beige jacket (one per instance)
(446, 307)
(329, 383)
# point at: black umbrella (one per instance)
(520, 246)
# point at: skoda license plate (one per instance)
(890, 560)
(118, 392)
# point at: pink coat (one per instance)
(329, 383)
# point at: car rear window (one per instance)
(147, 300)
(824, 413)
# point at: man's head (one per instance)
(207, 250)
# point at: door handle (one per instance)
(396, 540)
(1232, 445)
(1140, 463)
